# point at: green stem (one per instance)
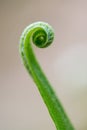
(42, 35)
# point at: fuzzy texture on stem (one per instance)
(42, 35)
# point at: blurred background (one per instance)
(64, 62)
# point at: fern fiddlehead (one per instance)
(42, 35)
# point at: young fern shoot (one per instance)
(42, 35)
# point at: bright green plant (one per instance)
(42, 35)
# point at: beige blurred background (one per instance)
(65, 63)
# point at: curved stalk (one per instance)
(42, 35)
